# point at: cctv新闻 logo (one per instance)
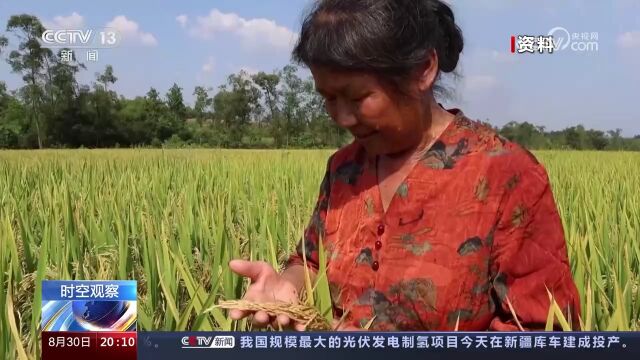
(217, 342)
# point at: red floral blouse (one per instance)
(470, 237)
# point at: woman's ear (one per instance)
(428, 72)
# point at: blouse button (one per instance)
(380, 229)
(375, 266)
(378, 244)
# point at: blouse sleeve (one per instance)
(529, 255)
(308, 245)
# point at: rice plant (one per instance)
(172, 219)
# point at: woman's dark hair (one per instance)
(389, 38)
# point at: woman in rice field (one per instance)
(430, 220)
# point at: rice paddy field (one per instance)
(171, 219)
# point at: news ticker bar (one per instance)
(382, 345)
(319, 345)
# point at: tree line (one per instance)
(263, 110)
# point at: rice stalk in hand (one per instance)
(304, 314)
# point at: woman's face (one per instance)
(378, 118)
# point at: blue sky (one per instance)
(201, 42)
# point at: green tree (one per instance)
(104, 104)
(525, 134)
(106, 78)
(4, 42)
(268, 84)
(157, 116)
(63, 113)
(576, 137)
(293, 123)
(11, 115)
(597, 139)
(615, 139)
(235, 105)
(175, 102)
(154, 106)
(202, 104)
(29, 60)
(4, 96)
(177, 112)
(271, 124)
(135, 128)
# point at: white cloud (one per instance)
(629, 40)
(74, 21)
(204, 76)
(254, 33)
(130, 30)
(480, 82)
(182, 20)
(148, 39)
(209, 66)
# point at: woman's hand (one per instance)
(266, 286)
